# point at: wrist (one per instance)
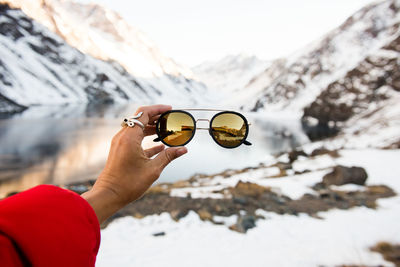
(104, 201)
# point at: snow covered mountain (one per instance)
(348, 80)
(38, 67)
(103, 34)
(364, 103)
(295, 82)
(231, 73)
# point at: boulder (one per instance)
(345, 175)
(244, 223)
(324, 151)
(247, 189)
(177, 214)
(205, 215)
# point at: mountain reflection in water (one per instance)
(60, 145)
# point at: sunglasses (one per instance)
(228, 129)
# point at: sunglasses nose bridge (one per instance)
(202, 128)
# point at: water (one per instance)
(66, 144)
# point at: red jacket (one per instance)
(48, 226)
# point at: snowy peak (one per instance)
(230, 73)
(310, 70)
(38, 67)
(102, 33)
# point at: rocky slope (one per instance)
(365, 91)
(308, 72)
(102, 33)
(347, 83)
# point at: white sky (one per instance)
(195, 31)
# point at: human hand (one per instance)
(129, 170)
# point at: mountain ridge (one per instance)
(103, 34)
(230, 73)
(324, 61)
(38, 67)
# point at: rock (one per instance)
(390, 252)
(158, 189)
(244, 223)
(247, 189)
(294, 154)
(205, 215)
(181, 184)
(177, 214)
(283, 166)
(138, 215)
(345, 175)
(8, 106)
(159, 234)
(319, 131)
(394, 145)
(324, 151)
(240, 200)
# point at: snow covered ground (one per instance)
(341, 237)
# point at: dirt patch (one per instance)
(389, 252)
(248, 197)
(245, 198)
(394, 145)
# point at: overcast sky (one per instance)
(195, 31)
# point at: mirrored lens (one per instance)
(175, 128)
(228, 129)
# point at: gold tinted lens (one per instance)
(228, 129)
(176, 128)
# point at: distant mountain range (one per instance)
(353, 71)
(231, 73)
(82, 53)
(87, 53)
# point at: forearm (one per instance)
(104, 202)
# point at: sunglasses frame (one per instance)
(159, 138)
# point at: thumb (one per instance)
(168, 155)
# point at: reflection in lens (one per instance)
(228, 129)
(176, 128)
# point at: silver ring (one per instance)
(132, 121)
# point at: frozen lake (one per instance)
(66, 144)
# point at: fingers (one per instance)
(150, 114)
(153, 120)
(149, 130)
(152, 111)
(168, 155)
(153, 150)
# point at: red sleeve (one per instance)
(48, 226)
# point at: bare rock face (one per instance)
(7, 106)
(306, 74)
(37, 67)
(244, 223)
(372, 82)
(345, 175)
(116, 41)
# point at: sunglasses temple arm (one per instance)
(247, 143)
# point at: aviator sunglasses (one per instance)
(228, 129)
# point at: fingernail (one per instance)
(181, 151)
